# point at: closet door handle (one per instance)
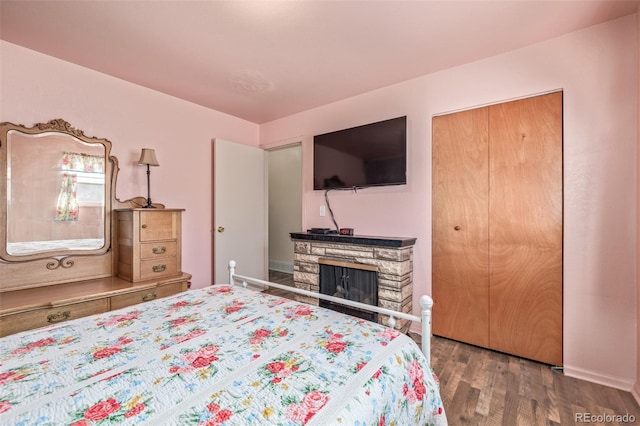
(457, 227)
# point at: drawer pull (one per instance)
(149, 296)
(159, 268)
(60, 316)
(144, 226)
(159, 250)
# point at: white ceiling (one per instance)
(263, 60)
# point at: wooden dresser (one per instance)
(149, 243)
(25, 309)
(68, 246)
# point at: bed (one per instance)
(221, 355)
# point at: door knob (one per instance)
(457, 227)
(220, 228)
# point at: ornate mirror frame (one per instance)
(56, 257)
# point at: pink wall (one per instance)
(597, 69)
(636, 389)
(35, 88)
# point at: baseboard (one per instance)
(636, 392)
(277, 265)
(614, 382)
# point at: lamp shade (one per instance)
(148, 157)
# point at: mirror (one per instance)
(55, 191)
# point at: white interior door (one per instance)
(240, 214)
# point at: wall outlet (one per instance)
(322, 211)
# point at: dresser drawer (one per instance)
(158, 249)
(159, 225)
(156, 268)
(14, 323)
(128, 299)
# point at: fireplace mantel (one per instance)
(391, 256)
(365, 240)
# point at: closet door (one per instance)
(460, 270)
(525, 216)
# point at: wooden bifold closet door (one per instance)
(497, 227)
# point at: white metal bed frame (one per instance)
(426, 303)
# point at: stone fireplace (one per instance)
(391, 257)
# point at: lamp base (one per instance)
(149, 205)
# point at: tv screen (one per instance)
(371, 155)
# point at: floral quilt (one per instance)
(220, 355)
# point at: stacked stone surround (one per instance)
(393, 258)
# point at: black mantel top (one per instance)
(365, 240)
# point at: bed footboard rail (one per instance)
(426, 305)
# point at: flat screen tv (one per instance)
(370, 155)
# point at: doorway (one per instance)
(274, 198)
(284, 166)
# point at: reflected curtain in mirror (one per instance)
(67, 208)
(81, 162)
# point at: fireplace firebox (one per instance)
(350, 281)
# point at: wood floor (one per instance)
(483, 387)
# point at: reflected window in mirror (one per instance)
(90, 189)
